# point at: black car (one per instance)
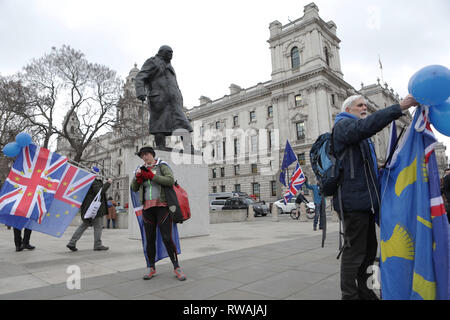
(259, 208)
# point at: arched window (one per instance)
(327, 56)
(295, 57)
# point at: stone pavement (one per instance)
(255, 260)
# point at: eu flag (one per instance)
(66, 203)
(29, 189)
(288, 158)
(414, 240)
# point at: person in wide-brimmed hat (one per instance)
(149, 181)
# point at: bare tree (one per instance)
(13, 102)
(65, 83)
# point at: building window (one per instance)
(120, 151)
(222, 172)
(236, 170)
(255, 189)
(271, 139)
(117, 186)
(237, 188)
(298, 100)
(235, 121)
(236, 146)
(214, 189)
(217, 125)
(301, 159)
(327, 56)
(252, 116)
(333, 100)
(270, 111)
(300, 130)
(223, 148)
(273, 188)
(254, 144)
(119, 167)
(214, 174)
(295, 57)
(254, 168)
(222, 188)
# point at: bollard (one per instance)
(251, 214)
(275, 214)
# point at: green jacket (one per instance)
(92, 192)
(163, 177)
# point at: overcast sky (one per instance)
(217, 43)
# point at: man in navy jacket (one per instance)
(359, 188)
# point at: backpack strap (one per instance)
(352, 167)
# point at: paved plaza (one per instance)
(254, 260)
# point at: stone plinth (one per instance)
(224, 216)
(192, 175)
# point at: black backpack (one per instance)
(325, 164)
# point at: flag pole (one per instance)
(85, 167)
(381, 69)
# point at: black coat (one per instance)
(92, 192)
(157, 80)
(360, 193)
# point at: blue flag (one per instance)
(288, 158)
(161, 251)
(410, 237)
(66, 203)
(28, 191)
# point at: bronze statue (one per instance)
(157, 82)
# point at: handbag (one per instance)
(91, 212)
(178, 203)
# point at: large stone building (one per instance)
(243, 134)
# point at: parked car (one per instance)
(225, 195)
(259, 208)
(217, 204)
(291, 207)
(285, 208)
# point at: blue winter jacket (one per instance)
(359, 185)
(316, 192)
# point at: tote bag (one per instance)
(91, 212)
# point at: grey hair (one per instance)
(349, 101)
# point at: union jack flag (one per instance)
(29, 189)
(437, 209)
(66, 203)
(297, 180)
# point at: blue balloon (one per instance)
(430, 85)
(12, 149)
(440, 117)
(23, 139)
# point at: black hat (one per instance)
(145, 150)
